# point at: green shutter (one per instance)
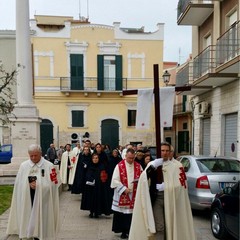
(183, 141)
(119, 72)
(132, 117)
(100, 72)
(77, 119)
(77, 80)
(184, 99)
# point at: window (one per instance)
(167, 128)
(77, 118)
(132, 118)
(185, 126)
(109, 72)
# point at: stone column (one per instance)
(25, 128)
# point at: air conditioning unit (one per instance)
(203, 108)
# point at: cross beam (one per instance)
(157, 104)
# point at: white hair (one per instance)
(34, 147)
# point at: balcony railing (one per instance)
(91, 84)
(205, 62)
(194, 12)
(182, 5)
(228, 45)
(180, 108)
(184, 75)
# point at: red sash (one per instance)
(125, 200)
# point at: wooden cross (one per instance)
(157, 105)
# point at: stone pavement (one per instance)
(76, 225)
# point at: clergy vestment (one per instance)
(123, 212)
(39, 219)
(67, 174)
(178, 215)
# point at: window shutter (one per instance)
(184, 100)
(118, 72)
(76, 62)
(77, 119)
(100, 72)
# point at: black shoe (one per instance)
(124, 236)
(91, 215)
(96, 216)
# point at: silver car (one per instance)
(207, 175)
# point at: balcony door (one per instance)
(109, 72)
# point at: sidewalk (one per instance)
(76, 225)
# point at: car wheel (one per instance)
(218, 224)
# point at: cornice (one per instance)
(101, 26)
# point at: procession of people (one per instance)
(146, 197)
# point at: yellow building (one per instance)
(80, 70)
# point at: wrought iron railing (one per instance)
(91, 84)
(228, 45)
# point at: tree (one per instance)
(7, 98)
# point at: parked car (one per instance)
(225, 213)
(5, 153)
(207, 176)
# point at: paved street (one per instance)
(76, 225)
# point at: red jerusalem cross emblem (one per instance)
(183, 177)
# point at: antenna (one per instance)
(87, 10)
(79, 9)
(179, 56)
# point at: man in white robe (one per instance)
(124, 182)
(34, 211)
(68, 166)
(76, 150)
(177, 222)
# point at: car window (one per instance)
(6, 148)
(235, 189)
(186, 163)
(218, 165)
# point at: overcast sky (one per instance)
(131, 13)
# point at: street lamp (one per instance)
(166, 77)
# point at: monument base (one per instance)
(25, 130)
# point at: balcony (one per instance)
(184, 77)
(194, 12)
(92, 84)
(181, 108)
(202, 73)
(228, 50)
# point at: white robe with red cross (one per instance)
(178, 215)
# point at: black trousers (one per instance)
(121, 222)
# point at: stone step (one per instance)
(7, 180)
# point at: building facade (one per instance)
(8, 63)
(213, 74)
(80, 70)
(180, 134)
